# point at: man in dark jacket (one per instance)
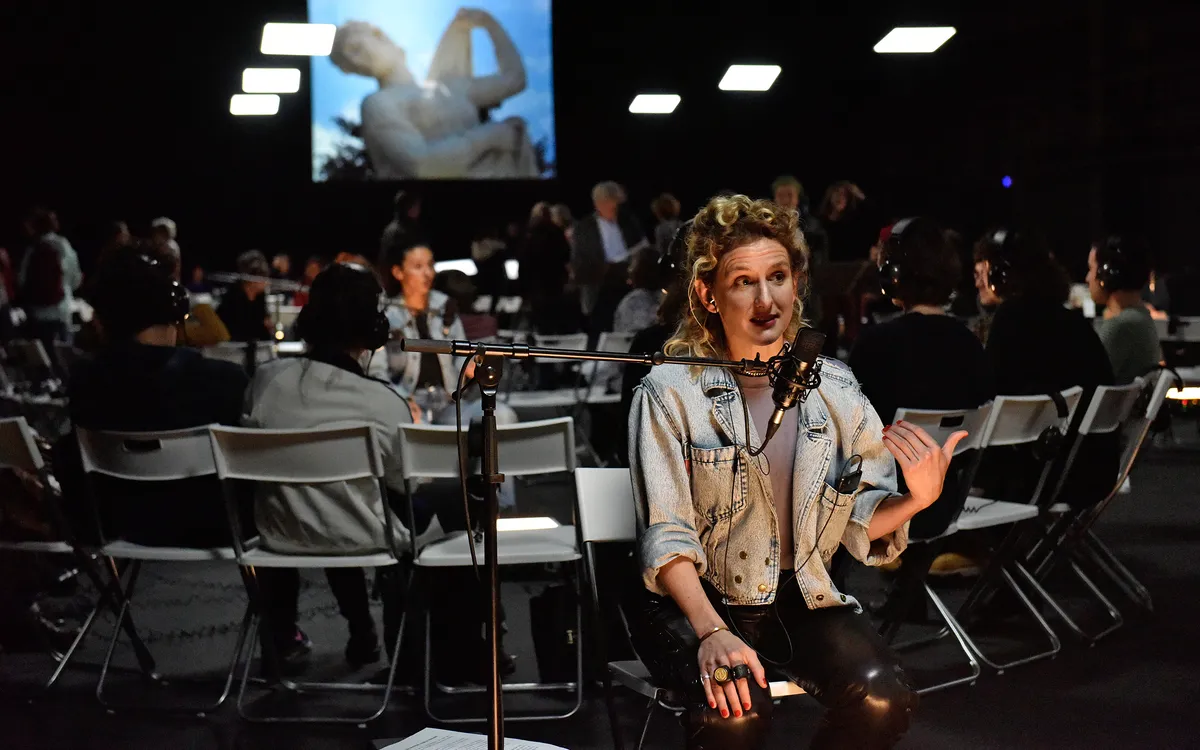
(141, 381)
(602, 246)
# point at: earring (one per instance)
(713, 301)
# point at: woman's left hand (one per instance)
(922, 461)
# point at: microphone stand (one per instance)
(489, 370)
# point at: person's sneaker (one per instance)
(362, 649)
(296, 650)
(954, 564)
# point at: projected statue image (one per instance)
(437, 128)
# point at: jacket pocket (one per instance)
(833, 513)
(717, 490)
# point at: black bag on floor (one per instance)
(555, 638)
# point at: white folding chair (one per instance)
(483, 304)
(1016, 420)
(510, 305)
(150, 457)
(525, 449)
(595, 374)
(305, 457)
(1081, 542)
(941, 424)
(1109, 409)
(607, 516)
(19, 451)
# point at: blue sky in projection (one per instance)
(417, 26)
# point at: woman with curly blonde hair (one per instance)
(735, 544)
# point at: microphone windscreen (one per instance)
(809, 343)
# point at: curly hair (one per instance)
(723, 225)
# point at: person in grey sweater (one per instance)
(1118, 271)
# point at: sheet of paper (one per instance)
(441, 739)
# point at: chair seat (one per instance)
(604, 398)
(261, 558)
(556, 399)
(634, 675)
(982, 513)
(951, 530)
(1059, 508)
(131, 551)
(516, 548)
(43, 547)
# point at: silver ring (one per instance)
(704, 677)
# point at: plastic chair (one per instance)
(1015, 420)
(594, 373)
(304, 457)
(941, 424)
(18, 450)
(236, 351)
(525, 449)
(607, 516)
(150, 457)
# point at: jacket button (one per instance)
(820, 597)
(768, 561)
(737, 579)
(743, 555)
(762, 588)
(843, 597)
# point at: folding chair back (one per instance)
(1023, 419)
(606, 505)
(1179, 329)
(17, 447)
(595, 374)
(310, 456)
(146, 456)
(510, 305)
(235, 351)
(483, 304)
(942, 423)
(543, 447)
(1110, 406)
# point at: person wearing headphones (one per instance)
(343, 325)
(1037, 346)
(734, 547)
(139, 381)
(1118, 271)
(924, 359)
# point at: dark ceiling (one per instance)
(119, 110)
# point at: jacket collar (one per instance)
(718, 382)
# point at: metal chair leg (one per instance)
(646, 725)
(1055, 643)
(1114, 568)
(1067, 620)
(964, 643)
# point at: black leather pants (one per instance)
(834, 654)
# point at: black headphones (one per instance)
(1118, 267)
(1049, 443)
(1002, 265)
(670, 265)
(891, 264)
(136, 291)
(344, 309)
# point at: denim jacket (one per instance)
(405, 367)
(701, 495)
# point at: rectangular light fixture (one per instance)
(914, 39)
(312, 39)
(533, 523)
(512, 269)
(749, 77)
(1191, 393)
(253, 104)
(271, 80)
(654, 104)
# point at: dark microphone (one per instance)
(796, 374)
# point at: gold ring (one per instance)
(722, 675)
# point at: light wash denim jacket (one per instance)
(407, 365)
(701, 495)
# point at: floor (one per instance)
(1138, 688)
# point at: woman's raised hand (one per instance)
(922, 461)
(724, 649)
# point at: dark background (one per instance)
(120, 110)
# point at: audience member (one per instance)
(197, 284)
(116, 237)
(545, 258)
(343, 325)
(560, 214)
(600, 254)
(162, 236)
(243, 309)
(848, 230)
(141, 381)
(923, 359)
(639, 307)
(1036, 346)
(313, 266)
(1118, 272)
(787, 191)
(8, 294)
(404, 230)
(418, 311)
(489, 251)
(48, 276)
(281, 266)
(666, 210)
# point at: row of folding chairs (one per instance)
(296, 457)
